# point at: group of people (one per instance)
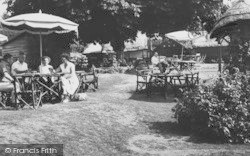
(69, 79)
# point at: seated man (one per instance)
(20, 66)
(155, 60)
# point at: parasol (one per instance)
(40, 24)
(237, 14)
(3, 38)
(184, 38)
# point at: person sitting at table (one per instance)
(69, 78)
(46, 68)
(20, 66)
(155, 60)
(6, 77)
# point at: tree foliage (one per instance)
(118, 20)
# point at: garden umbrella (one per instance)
(238, 14)
(40, 24)
(3, 38)
(184, 38)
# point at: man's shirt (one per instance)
(19, 66)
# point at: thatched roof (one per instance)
(205, 41)
(240, 11)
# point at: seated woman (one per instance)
(45, 68)
(69, 79)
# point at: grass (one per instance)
(113, 121)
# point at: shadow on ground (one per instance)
(156, 97)
(167, 128)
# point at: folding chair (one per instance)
(142, 80)
(88, 81)
(5, 91)
(30, 93)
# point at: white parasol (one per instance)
(41, 24)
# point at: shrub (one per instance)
(80, 60)
(218, 111)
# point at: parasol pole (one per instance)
(182, 52)
(41, 46)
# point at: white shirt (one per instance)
(19, 66)
(45, 69)
(155, 60)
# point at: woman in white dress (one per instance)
(69, 79)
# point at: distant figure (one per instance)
(69, 79)
(155, 60)
(20, 66)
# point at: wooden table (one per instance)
(31, 92)
(164, 81)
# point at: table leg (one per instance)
(15, 93)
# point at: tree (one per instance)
(118, 20)
(164, 16)
(100, 20)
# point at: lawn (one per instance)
(113, 121)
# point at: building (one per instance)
(98, 54)
(138, 48)
(187, 43)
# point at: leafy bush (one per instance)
(220, 111)
(80, 60)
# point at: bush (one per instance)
(220, 111)
(80, 60)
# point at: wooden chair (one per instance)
(30, 93)
(192, 79)
(142, 80)
(5, 93)
(88, 81)
(156, 84)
